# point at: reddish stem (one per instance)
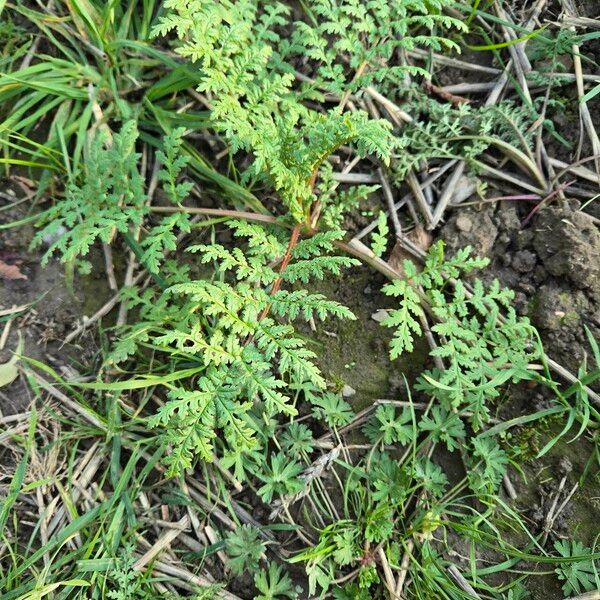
(545, 200)
(313, 217)
(284, 263)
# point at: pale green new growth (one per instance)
(254, 104)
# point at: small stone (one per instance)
(49, 239)
(380, 315)
(347, 391)
(464, 224)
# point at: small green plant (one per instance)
(379, 512)
(232, 326)
(125, 582)
(108, 196)
(442, 130)
(480, 353)
(548, 48)
(387, 427)
(274, 584)
(280, 478)
(579, 573)
(331, 408)
(244, 548)
(245, 358)
(255, 106)
(297, 439)
(369, 33)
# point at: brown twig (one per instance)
(455, 100)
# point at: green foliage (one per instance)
(380, 236)
(162, 237)
(254, 104)
(280, 478)
(297, 439)
(274, 584)
(553, 45)
(338, 545)
(331, 408)
(518, 592)
(376, 494)
(368, 33)
(351, 591)
(216, 347)
(244, 548)
(404, 319)
(237, 348)
(125, 582)
(580, 574)
(444, 426)
(388, 428)
(431, 477)
(96, 61)
(247, 361)
(110, 198)
(335, 203)
(488, 464)
(442, 130)
(480, 353)
(173, 163)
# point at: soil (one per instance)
(355, 354)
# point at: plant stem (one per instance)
(284, 263)
(215, 212)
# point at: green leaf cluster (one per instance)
(254, 104)
(108, 196)
(479, 352)
(368, 34)
(239, 336)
